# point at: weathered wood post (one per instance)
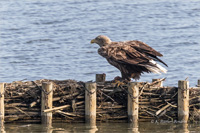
(159, 84)
(133, 127)
(184, 128)
(2, 105)
(198, 83)
(90, 103)
(46, 102)
(133, 102)
(100, 77)
(183, 100)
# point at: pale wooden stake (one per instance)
(184, 128)
(46, 102)
(183, 100)
(133, 127)
(56, 108)
(133, 102)
(2, 105)
(90, 103)
(100, 77)
(159, 84)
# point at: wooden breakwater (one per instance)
(49, 101)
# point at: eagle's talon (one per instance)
(118, 83)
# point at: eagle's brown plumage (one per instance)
(132, 58)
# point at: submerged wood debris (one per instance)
(22, 102)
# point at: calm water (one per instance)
(51, 39)
(104, 128)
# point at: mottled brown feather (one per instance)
(129, 57)
(132, 58)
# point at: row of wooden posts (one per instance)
(90, 101)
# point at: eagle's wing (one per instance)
(143, 47)
(146, 49)
(122, 53)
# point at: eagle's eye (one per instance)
(97, 38)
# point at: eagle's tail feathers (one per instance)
(155, 68)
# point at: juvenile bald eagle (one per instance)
(132, 58)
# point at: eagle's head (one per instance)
(101, 40)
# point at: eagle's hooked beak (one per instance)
(93, 41)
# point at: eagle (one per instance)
(132, 58)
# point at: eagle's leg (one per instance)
(118, 81)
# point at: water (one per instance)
(51, 39)
(104, 128)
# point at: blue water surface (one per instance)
(51, 39)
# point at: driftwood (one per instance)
(57, 108)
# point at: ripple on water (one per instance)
(51, 39)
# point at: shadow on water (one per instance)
(102, 128)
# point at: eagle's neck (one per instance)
(108, 42)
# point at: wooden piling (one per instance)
(198, 83)
(183, 100)
(100, 77)
(133, 102)
(90, 103)
(2, 105)
(159, 84)
(46, 102)
(133, 127)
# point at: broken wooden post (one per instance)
(46, 102)
(159, 84)
(183, 100)
(100, 77)
(133, 102)
(198, 83)
(90, 103)
(2, 105)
